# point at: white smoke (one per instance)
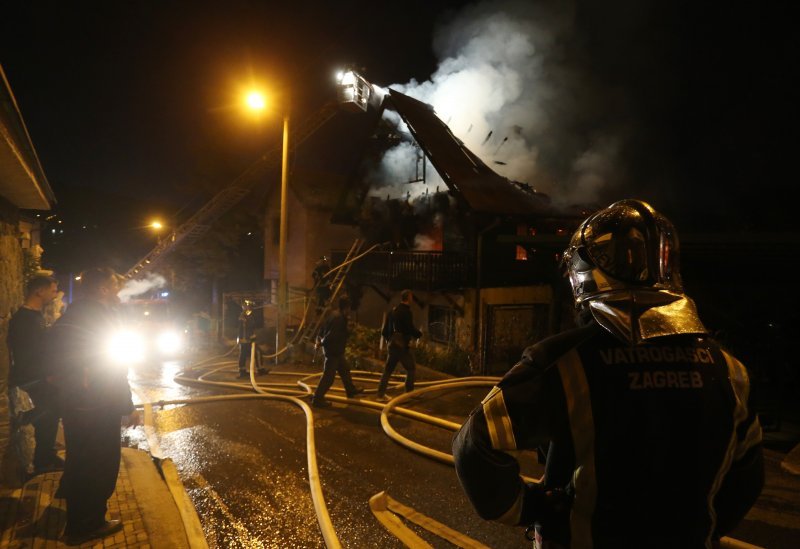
(504, 89)
(133, 288)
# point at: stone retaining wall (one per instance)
(11, 269)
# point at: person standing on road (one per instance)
(96, 399)
(400, 330)
(31, 371)
(333, 339)
(651, 439)
(246, 339)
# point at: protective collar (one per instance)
(636, 316)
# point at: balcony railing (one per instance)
(426, 271)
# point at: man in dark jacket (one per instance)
(31, 371)
(333, 338)
(651, 440)
(402, 331)
(96, 398)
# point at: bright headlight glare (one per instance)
(169, 342)
(125, 347)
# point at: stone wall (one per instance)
(11, 268)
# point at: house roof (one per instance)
(22, 180)
(325, 171)
(466, 176)
(326, 163)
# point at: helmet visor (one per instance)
(617, 241)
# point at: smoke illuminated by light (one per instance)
(504, 90)
(135, 287)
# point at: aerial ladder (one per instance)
(197, 225)
(353, 93)
(309, 331)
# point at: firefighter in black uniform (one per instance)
(333, 339)
(400, 330)
(321, 282)
(651, 440)
(246, 338)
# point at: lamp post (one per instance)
(255, 101)
(283, 289)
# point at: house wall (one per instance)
(310, 235)
(11, 272)
(469, 334)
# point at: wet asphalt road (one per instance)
(244, 466)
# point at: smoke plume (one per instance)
(133, 288)
(508, 87)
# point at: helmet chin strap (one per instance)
(634, 316)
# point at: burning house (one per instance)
(480, 251)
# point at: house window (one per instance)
(523, 230)
(442, 324)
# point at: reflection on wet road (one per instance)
(243, 463)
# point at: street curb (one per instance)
(191, 522)
(160, 514)
(791, 463)
(192, 528)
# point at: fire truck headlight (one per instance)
(125, 347)
(169, 342)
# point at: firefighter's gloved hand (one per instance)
(549, 507)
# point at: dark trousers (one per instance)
(244, 357)
(92, 466)
(334, 364)
(406, 359)
(44, 417)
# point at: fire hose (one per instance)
(294, 392)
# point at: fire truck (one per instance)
(150, 330)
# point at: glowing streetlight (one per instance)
(256, 102)
(156, 225)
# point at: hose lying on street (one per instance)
(303, 387)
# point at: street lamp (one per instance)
(256, 102)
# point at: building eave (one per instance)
(22, 179)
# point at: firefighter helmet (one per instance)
(626, 246)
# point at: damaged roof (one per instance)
(325, 172)
(467, 177)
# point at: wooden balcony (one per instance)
(421, 271)
(436, 271)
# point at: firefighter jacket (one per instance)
(403, 324)
(654, 442)
(247, 328)
(333, 334)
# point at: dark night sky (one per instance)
(136, 97)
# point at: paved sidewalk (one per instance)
(31, 517)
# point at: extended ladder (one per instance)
(232, 194)
(340, 274)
